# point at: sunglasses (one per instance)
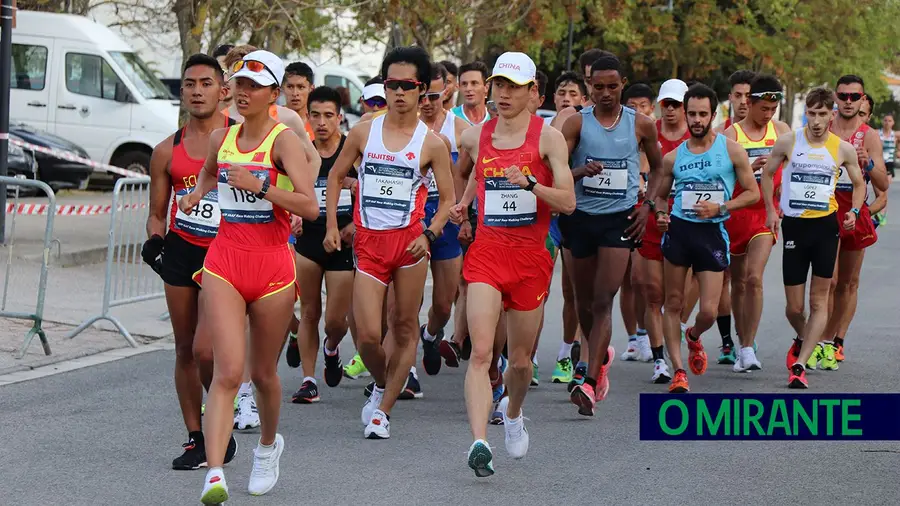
(674, 104)
(769, 96)
(851, 97)
(491, 106)
(375, 102)
(401, 84)
(252, 66)
(433, 97)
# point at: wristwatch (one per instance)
(532, 181)
(263, 190)
(723, 209)
(649, 203)
(430, 236)
(855, 211)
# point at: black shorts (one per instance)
(584, 233)
(809, 242)
(701, 246)
(889, 166)
(180, 261)
(309, 245)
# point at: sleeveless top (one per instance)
(615, 189)
(756, 149)
(507, 214)
(706, 176)
(201, 224)
(247, 220)
(392, 188)
(448, 129)
(459, 112)
(811, 172)
(345, 201)
(888, 145)
(844, 188)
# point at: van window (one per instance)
(90, 75)
(29, 67)
(334, 81)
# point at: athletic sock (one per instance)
(310, 378)
(292, 335)
(262, 449)
(330, 352)
(684, 327)
(246, 389)
(565, 351)
(590, 381)
(657, 353)
(632, 337)
(412, 371)
(641, 332)
(197, 436)
(426, 336)
(838, 341)
(534, 360)
(724, 323)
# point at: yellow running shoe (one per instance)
(829, 361)
(817, 356)
(356, 369)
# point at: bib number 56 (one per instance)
(386, 190)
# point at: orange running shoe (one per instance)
(603, 380)
(793, 353)
(839, 353)
(583, 397)
(797, 379)
(696, 355)
(679, 383)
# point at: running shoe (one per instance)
(368, 390)
(660, 372)
(633, 353)
(499, 393)
(563, 371)
(829, 361)
(466, 351)
(576, 352)
(203, 409)
(334, 370)
(584, 397)
(264, 475)
(578, 376)
(379, 427)
(727, 355)
(236, 400)
(308, 393)
(481, 459)
(535, 377)
(356, 369)
(839, 352)
(679, 383)
(816, 358)
(516, 433)
(793, 352)
(292, 355)
(215, 491)
(696, 356)
(431, 358)
(502, 363)
(247, 416)
(372, 403)
(194, 456)
(797, 378)
(746, 361)
(450, 352)
(412, 389)
(644, 347)
(602, 389)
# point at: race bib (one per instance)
(345, 202)
(695, 193)
(507, 204)
(242, 206)
(432, 190)
(844, 184)
(753, 154)
(810, 191)
(203, 219)
(611, 183)
(387, 186)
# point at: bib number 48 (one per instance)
(203, 209)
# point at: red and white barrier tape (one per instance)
(67, 210)
(72, 157)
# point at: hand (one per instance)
(863, 157)
(332, 240)
(418, 247)
(465, 233)
(759, 163)
(849, 220)
(706, 209)
(188, 202)
(347, 234)
(662, 221)
(773, 221)
(354, 184)
(296, 225)
(639, 223)
(458, 214)
(152, 251)
(242, 179)
(590, 169)
(515, 176)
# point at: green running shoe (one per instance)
(829, 362)
(563, 371)
(817, 357)
(727, 355)
(356, 369)
(535, 378)
(481, 459)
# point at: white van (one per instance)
(78, 79)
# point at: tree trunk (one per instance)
(787, 112)
(191, 16)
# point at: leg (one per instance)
(570, 314)
(446, 280)
(652, 288)
(460, 320)
(691, 297)
(523, 327)
(640, 306)
(710, 294)
(758, 252)
(723, 313)
(626, 302)
(675, 277)
(795, 310)
(739, 274)
(483, 316)
(183, 308)
(848, 268)
(309, 277)
(339, 286)
(368, 303)
(818, 317)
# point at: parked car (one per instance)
(57, 172)
(20, 163)
(174, 85)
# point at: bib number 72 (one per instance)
(703, 197)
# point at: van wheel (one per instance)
(136, 161)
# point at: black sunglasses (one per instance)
(375, 102)
(401, 84)
(852, 97)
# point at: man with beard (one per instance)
(704, 170)
(738, 97)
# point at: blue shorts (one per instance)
(447, 245)
(701, 246)
(555, 234)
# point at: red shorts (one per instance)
(860, 237)
(650, 247)
(743, 226)
(254, 272)
(378, 253)
(522, 276)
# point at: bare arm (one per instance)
(745, 178)
(301, 201)
(160, 188)
(560, 119)
(878, 174)
(664, 185)
(650, 147)
(469, 193)
(437, 151)
(460, 126)
(778, 155)
(350, 152)
(293, 121)
(880, 201)
(851, 165)
(561, 197)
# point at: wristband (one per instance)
(263, 190)
(649, 203)
(430, 236)
(870, 166)
(855, 211)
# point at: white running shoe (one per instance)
(215, 490)
(247, 416)
(644, 347)
(379, 427)
(372, 404)
(633, 352)
(660, 372)
(264, 475)
(516, 433)
(746, 361)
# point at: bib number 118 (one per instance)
(243, 195)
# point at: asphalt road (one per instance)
(107, 434)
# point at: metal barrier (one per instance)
(128, 279)
(37, 317)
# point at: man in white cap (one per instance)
(522, 174)
(374, 103)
